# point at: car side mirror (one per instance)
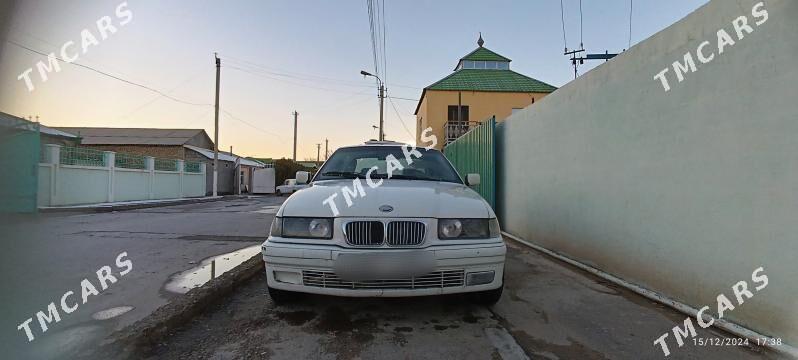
(472, 179)
(302, 177)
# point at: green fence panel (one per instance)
(475, 152)
(82, 156)
(19, 159)
(128, 161)
(192, 167)
(166, 164)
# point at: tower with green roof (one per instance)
(481, 86)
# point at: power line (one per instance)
(400, 119)
(300, 76)
(370, 5)
(401, 98)
(159, 92)
(111, 76)
(581, 27)
(252, 125)
(562, 18)
(158, 97)
(308, 77)
(631, 6)
(255, 72)
(384, 55)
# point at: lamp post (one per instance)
(382, 99)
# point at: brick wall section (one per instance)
(159, 151)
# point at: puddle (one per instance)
(199, 275)
(111, 313)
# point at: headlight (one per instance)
(467, 228)
(320, 228)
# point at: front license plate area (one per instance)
(391, 265)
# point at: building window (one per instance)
(472, 64)
(453, 113)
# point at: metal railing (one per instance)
(128, 161)
(82, 156)
(165, 164)
(455, 129)
(192, 167)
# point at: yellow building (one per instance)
(481, 86)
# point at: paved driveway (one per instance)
(549, 311)
(47, 255)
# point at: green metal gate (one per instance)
(475, 152)
(19, 161)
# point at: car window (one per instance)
(358, 161)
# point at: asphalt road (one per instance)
(44, 256)
(549, 310)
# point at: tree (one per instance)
(286, 169)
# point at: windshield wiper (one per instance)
(410, 177)
(344, 174)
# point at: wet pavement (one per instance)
(47, 255)
(549, 310)
(209, 269)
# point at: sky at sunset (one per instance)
(281, 56)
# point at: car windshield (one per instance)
(356, 162)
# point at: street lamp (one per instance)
(382, 98)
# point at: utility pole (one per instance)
(216, 130)
(326, 149)
(382, 100)
(318, 150)
(295, 115)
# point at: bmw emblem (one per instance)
(386, 208)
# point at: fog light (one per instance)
(479, 278)
(288, 277)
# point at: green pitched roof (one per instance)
(490, 80)
(483, 54)
(487, 80)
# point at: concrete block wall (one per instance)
(63, 185)
(684, 191)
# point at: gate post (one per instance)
(53, 157)
(110, 165)
(149, 165)
(181, 167)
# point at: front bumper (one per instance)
(310, 269)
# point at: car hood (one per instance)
(409, 198)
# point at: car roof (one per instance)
(379, 143)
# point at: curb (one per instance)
(686, 309)
(123, 207)
(128, 343)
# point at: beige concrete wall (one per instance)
(684, 191)
(434, 112)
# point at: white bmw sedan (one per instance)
(385, 219)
